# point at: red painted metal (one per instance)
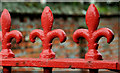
(47, 69)
(6, 69)
(0, 32)
(46, 35)
(93, 59)
(8, 35)
(0, 36)
(92, 35)
(60, 63)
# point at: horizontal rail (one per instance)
(60, 63)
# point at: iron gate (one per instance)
(93, 59)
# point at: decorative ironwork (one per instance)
(47, 58)
(6, 35)
(46, 35)
(92, 35)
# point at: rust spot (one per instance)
(89, 61)
(23, 62)
(70, 66)
(17, 64)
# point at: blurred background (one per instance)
(68, 16)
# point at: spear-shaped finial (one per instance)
(8, 35)
(46, 35)
(92, 35)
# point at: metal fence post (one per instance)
(47, 70)
(7, 37)
(6, 69)
(46, 36)
(92, 35)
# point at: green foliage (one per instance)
(69, 8)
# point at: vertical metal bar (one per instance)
(93, 70)
(6, 69)
(47, 70)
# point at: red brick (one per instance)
(17, 51)
(29, 50)
(34, 55)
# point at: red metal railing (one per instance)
(93, 59)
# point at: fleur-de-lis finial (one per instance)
(92, 35)
(46, 35)
(7, 35)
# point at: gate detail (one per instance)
(93, 59)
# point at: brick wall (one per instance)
(68, 49)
